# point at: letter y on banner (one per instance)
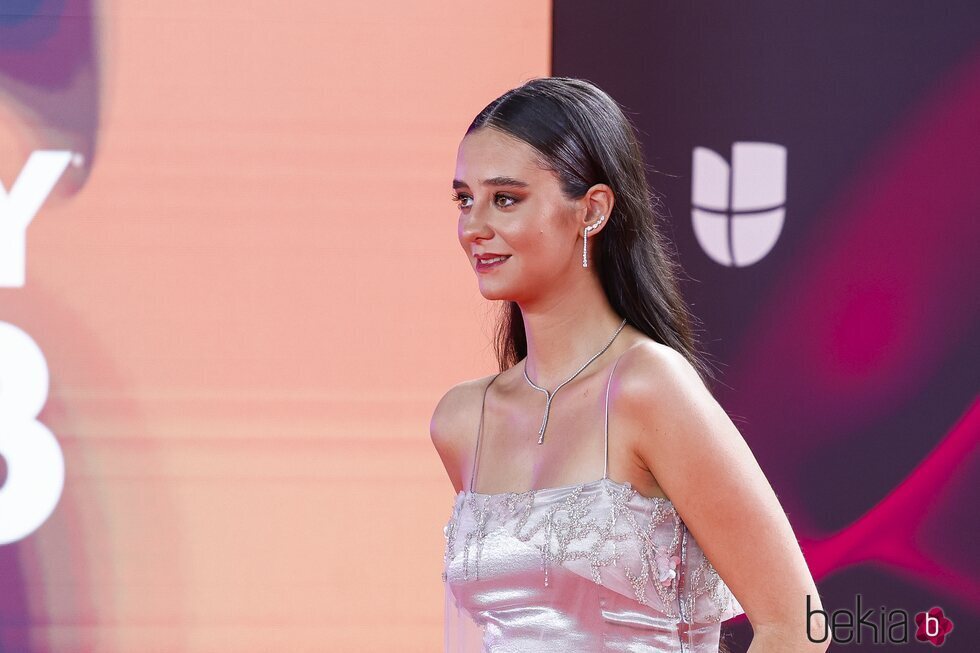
(18, 207)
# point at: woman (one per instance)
(598, 375)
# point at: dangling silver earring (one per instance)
(585, 240)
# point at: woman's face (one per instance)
(510, 205)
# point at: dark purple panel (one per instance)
(848, 354)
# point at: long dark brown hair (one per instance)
(583, 135)
(585, 138)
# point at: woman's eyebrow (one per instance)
(494, 181)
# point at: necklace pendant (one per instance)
(551, 395)
(544, 421)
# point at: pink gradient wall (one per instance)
(249, 295)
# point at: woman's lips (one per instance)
(486, 267)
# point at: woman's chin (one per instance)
(492, 292)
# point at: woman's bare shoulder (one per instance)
(454, 423)
(648, 365)
(653, 388)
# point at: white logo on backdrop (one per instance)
(738, 210)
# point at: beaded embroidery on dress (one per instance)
(588, 567)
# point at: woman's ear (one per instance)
(599, 201)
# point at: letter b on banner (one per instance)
(35, 464)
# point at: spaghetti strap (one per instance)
(605, 464)
(476, 449)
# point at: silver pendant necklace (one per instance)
(551, 395)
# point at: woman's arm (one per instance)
(446, 434)
(453, 427)
(705, 467)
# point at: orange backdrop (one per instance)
(249, 295)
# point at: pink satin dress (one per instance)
(588, 567)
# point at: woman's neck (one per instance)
(560, 342)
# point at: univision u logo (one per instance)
(738, 210)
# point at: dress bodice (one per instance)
(581, 568)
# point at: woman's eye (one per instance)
(459, 199)
(502, 201)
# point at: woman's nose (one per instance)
(473, 223)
